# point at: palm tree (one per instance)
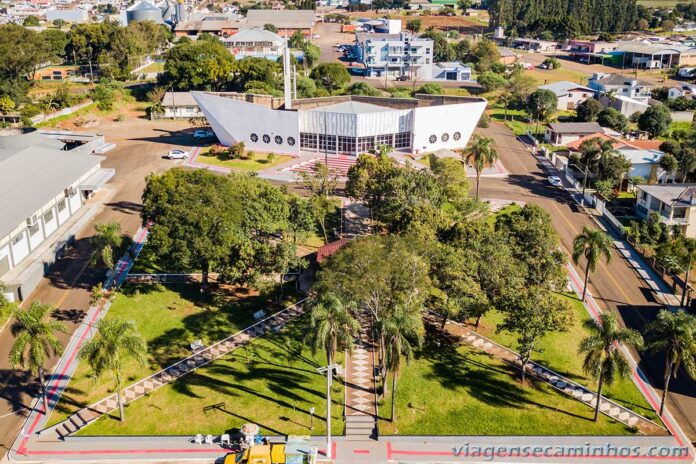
(675, 335)
(115, 341)
(592, 244)
(401, 329)
(35, 340)
(333, 325)
(480, 154)
(688, 252)
(106, 242)
(603, 359)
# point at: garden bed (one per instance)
(249, 162)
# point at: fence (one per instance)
(65, 111)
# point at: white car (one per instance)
(316, 36)
(203, 134)
(177, 154)
(555, 181)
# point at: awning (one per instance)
(98, 179)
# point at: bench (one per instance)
(260, 314)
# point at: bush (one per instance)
(431, 88)
(552, 63)
(491, 81)
(485, 121)
(103, 95)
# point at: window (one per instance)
(444, 137)
(266, 138)
(346, 144)
(254, 138)
(427, 51)
(456, 136)
(48, 216)
(643, 195)
(61, 205)
(291, 141)
(308, 141)
(278, 139)
(402, 140)
(365, 144)
(17, 239)
(678, 213)
(327, 142)
(385, 139)
(33, 229)
(432, 138)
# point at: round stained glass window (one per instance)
(278, 139)
(432, 139)
(254, 138)
(456, 136)
(266, 138)
(291, 141)
(445, 137)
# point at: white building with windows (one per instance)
(179, 105)
(344, 125)
(396, 55)
(675, 204)
(43, 187)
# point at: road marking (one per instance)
(74, 281)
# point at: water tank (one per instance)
(144, 11)
(167, 10)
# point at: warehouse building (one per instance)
(286, 21)
(43, 188)
(344, 125)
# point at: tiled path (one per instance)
(86, 415)
(557, 381)
(361, 400)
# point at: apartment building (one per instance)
(395, 55)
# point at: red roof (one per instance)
(331, 248)
(646, 144)
(637, 144)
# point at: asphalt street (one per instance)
(616, 286)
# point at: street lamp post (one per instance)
(311, 418)
(329, 380)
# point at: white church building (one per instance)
(345, 125)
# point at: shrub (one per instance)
(485, 121)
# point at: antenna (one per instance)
(287, 87)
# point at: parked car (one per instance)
(316, 36)
(203, 134)
(402, 78)
(555, 181)
(177, 154)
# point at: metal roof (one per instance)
(576, 127)
(351, 107)
(254, 35)
(671, 194)
(563, 87)
(282, 19)
(31, 175)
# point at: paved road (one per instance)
(67, 286)
(616, 286)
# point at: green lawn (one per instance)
(452, 389)
(559, 353)
(251, 162)
(272, 382)
(169, 318)
(156, 67)
(547, 76)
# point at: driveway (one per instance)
(616, 286)
(140, 146)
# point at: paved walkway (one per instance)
(85, 416)
(360, 391)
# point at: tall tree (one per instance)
(107, 241)
(673, 334)
(334, 326)
(591, 244)
(115, 342)
(655, 120)
(331, 76)
(402, 330)
(480, 153)
(35, 340)
(542, 104)
(603, 359)
(198, 65)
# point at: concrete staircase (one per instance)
(361, 427)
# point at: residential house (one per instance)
(43, 188)
(683, 90)
(563, 133)
(675, 204)
(258, 43)
(451, 72)
(646, 164)
(395, 55)
(535, 45)
(179, 105)
(569, 94)
(616, 84)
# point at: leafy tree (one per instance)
(103, 95)
(462, 50)
(591, 244)
(311, 54)
(55, 42)
(532, 313)
(401, 330)
(669, 164)
(673, 334)
(199, 65)
(362, 88)
(485, 54)
(667, 25)
(442, 50)
(31, 21)
(296, 40)
(270, 27)
(589, 110)
(6, 104)
(301, 219)
(35, 340)
(196, 218)
(107, 242)
(431, 88)
(542, 104)
(687, 161)
(414, 25)
(552, 63)
(115, 342)
(256, 72)
(604, 361)
(655, 120)
(331, 76)
(491, 81)
(21, 52)
(609, 117)
(306, 88)
(480, 154)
